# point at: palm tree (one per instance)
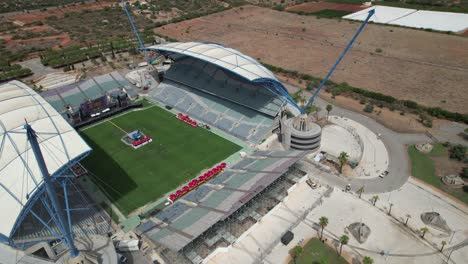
(297, 252)
(367, 260)
(329, 108)
(360, 191)
(375, 198)
(408, 216)
(443, 245)
(343, 158)
(343, 241)
(424, 231)
(323, 222)
(390, 209)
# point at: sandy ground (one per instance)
(310, 7)
(401, 244)
(430, 68)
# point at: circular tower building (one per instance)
(301, 133)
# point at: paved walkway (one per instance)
(401, 244)
(395, 143)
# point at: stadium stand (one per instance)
(222, 87)
(178, 225)
(92, 221)
(28, 215)
(239, 121)
(75, 94)
(216, 81)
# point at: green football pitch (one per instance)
(133, 177)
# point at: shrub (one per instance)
(369, 108)
(363, 101)
(464, 173)
(410, 104)
(425, 120)
(378, 50)
(458, 152)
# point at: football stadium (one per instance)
(180, 167)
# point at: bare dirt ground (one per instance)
(406, 123)
(310, 7)
(46, 42)
(426, 67)
(59, 12)
(446, 166)
(273, 2)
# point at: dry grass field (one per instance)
(310, 7)
(426, 67)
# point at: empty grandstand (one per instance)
(31, 218)
(223, 88)
(91, 99)
(194, 214)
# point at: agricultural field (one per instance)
(403, 63)
(311, 7)
(168, 11)
(91, 26)
(132, 178)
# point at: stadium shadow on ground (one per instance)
(104, 168)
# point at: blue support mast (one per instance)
(348, 47)
(135, 30)
(49, 186)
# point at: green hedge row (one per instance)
(337, 89)
(76, 54)
(326, 13)
(14, 74)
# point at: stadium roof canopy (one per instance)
(229, 59)
(20, 177)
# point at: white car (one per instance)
(383, 174)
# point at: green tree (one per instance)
(343, 158)
(464, 173)
(424, 230)
(343, 241)
(367, 260)
(329, 108)
(323, 222)
(375, 198)
(297, 252)
(443, 245)
(360, 191)
(369, 108)
(458, 152)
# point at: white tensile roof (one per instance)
(221, 56)
(442, 21)
(19, 173)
